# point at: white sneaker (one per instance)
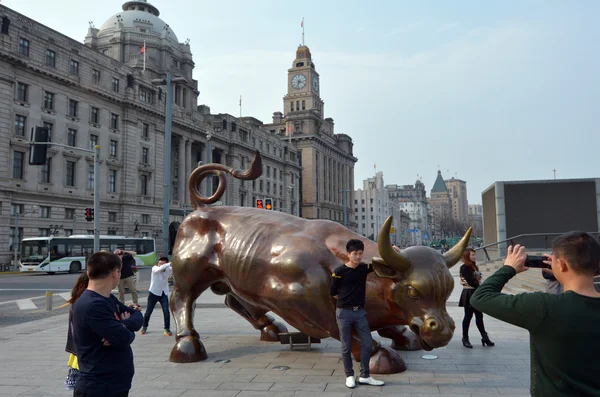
(351, 382)
(370, 381)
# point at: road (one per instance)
(23, 296)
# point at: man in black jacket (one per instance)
(127, 280)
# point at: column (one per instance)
(188, 169)
(181, 175)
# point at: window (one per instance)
(20, 123)
(145, 219)
(112, 181)
(145, 234)
(96, 76)
(260, 186)
(43, 232)
(16, 209)
(50, 58)
(48, 100)
(45, 212)
(49, 126)
(93, 141)
(112, 149)
(281, 190)
(24, 47)
(69, 213)
(70, 181)
(274, 173)
(177, 95)
(303, 105)
(22, 91)
(112, 216)
(268, 171)
(47, 170)
(145, 155)
(268, 187)
(292, 106)
(145, 131)
(90, 176)
(144, 186)
(95, 115)
(68, 232)
(74, 67)
(115, 84)
(114, 121)
(72, 108)
(12, 238)
(71, 137)
(18, 164)
(184, 99)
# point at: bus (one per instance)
(68, 254)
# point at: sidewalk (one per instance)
(34, 362)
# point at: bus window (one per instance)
(74, 250)
(57, 251)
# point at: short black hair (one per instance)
(102, 264)
(163, 259)
(580, 249)
(355, 245)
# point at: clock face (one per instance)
(315, 84)
(299, 81)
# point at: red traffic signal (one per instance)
(259, 203)
(89, 214)
(268, 204)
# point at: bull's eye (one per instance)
(413, 293)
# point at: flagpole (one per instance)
(240, 106)
(144, 55)
(302, 30)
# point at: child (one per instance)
(159, 292)
(80, 285)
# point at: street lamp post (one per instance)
(167, 166)
(208, 161)
(290, 190)
(345, 191)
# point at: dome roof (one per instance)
(139, 15)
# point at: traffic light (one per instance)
(259, 203)
(268, 203)
(89, 214)
(37, 153)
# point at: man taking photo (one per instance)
(563, 328)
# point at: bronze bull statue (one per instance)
(271, 261)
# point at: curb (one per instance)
(1, 273)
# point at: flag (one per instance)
(143, 50)
(375, 165)
(302, 23)
(240, 100)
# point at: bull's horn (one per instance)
(387, 252)
(455, 254)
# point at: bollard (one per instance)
(48, 300)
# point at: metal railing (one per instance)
(522, 236)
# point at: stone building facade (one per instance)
(412, 199)
(458, 195)
(441, 205)
(327, 159)
(101, 92)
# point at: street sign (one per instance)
(412, 230)
(392, 230)
(426, 236)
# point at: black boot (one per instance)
(485, 341)
(466, 343)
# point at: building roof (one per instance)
(139, 14)
(439, 186)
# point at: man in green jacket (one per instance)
(565, 328)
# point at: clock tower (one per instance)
(303, 107)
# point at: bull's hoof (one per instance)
(188, 349)
(386, 361)
(402, 338)
(271, 332)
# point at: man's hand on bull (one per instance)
(396, 248)
(515, 258)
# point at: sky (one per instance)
(483, 91)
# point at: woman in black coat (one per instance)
(470, 279)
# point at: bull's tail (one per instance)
(198, 175)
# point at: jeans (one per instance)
(347, 320)
(164, 303)
(77, 393)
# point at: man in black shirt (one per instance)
(349, 288)
(127, 280)
(103, 330)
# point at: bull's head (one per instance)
(422, 285)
